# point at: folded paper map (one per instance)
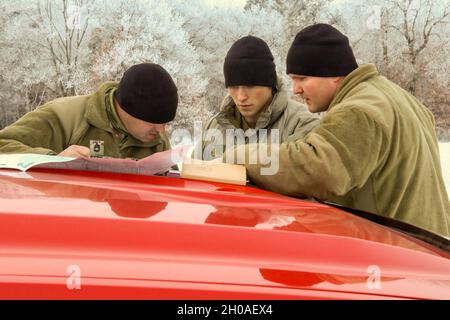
(25, 161)
(156, 163)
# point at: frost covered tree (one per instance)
(297, 14)
(6, 113)
(43, 47)
(33, 64)
(53, 48)
(128, 33)
(419, 22)
(409, 42)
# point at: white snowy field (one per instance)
(444, 149)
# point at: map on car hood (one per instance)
(25, 161)
(156, 163)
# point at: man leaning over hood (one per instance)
(375, 149)
(257, 100)
(120, 120)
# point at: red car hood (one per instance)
(159, 237)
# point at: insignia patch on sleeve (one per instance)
(97, 148)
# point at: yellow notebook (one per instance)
(216, 172)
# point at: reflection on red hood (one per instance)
(201, 232)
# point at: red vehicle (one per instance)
(92, 235)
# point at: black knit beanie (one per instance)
(320, 50)
(249, 62)
(147, 92)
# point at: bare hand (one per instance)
(75, 151)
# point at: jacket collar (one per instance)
(96, 111)
(357, 76)
(230, 117)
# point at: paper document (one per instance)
(156, 163)
(214, 171)
(25, 161)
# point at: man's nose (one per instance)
(242, 94)
(161, 128)
(297, 88)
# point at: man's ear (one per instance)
(337, 81)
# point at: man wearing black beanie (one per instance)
(257, 99)
(375, 149)
(120, 120)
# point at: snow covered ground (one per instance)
(444, 149)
